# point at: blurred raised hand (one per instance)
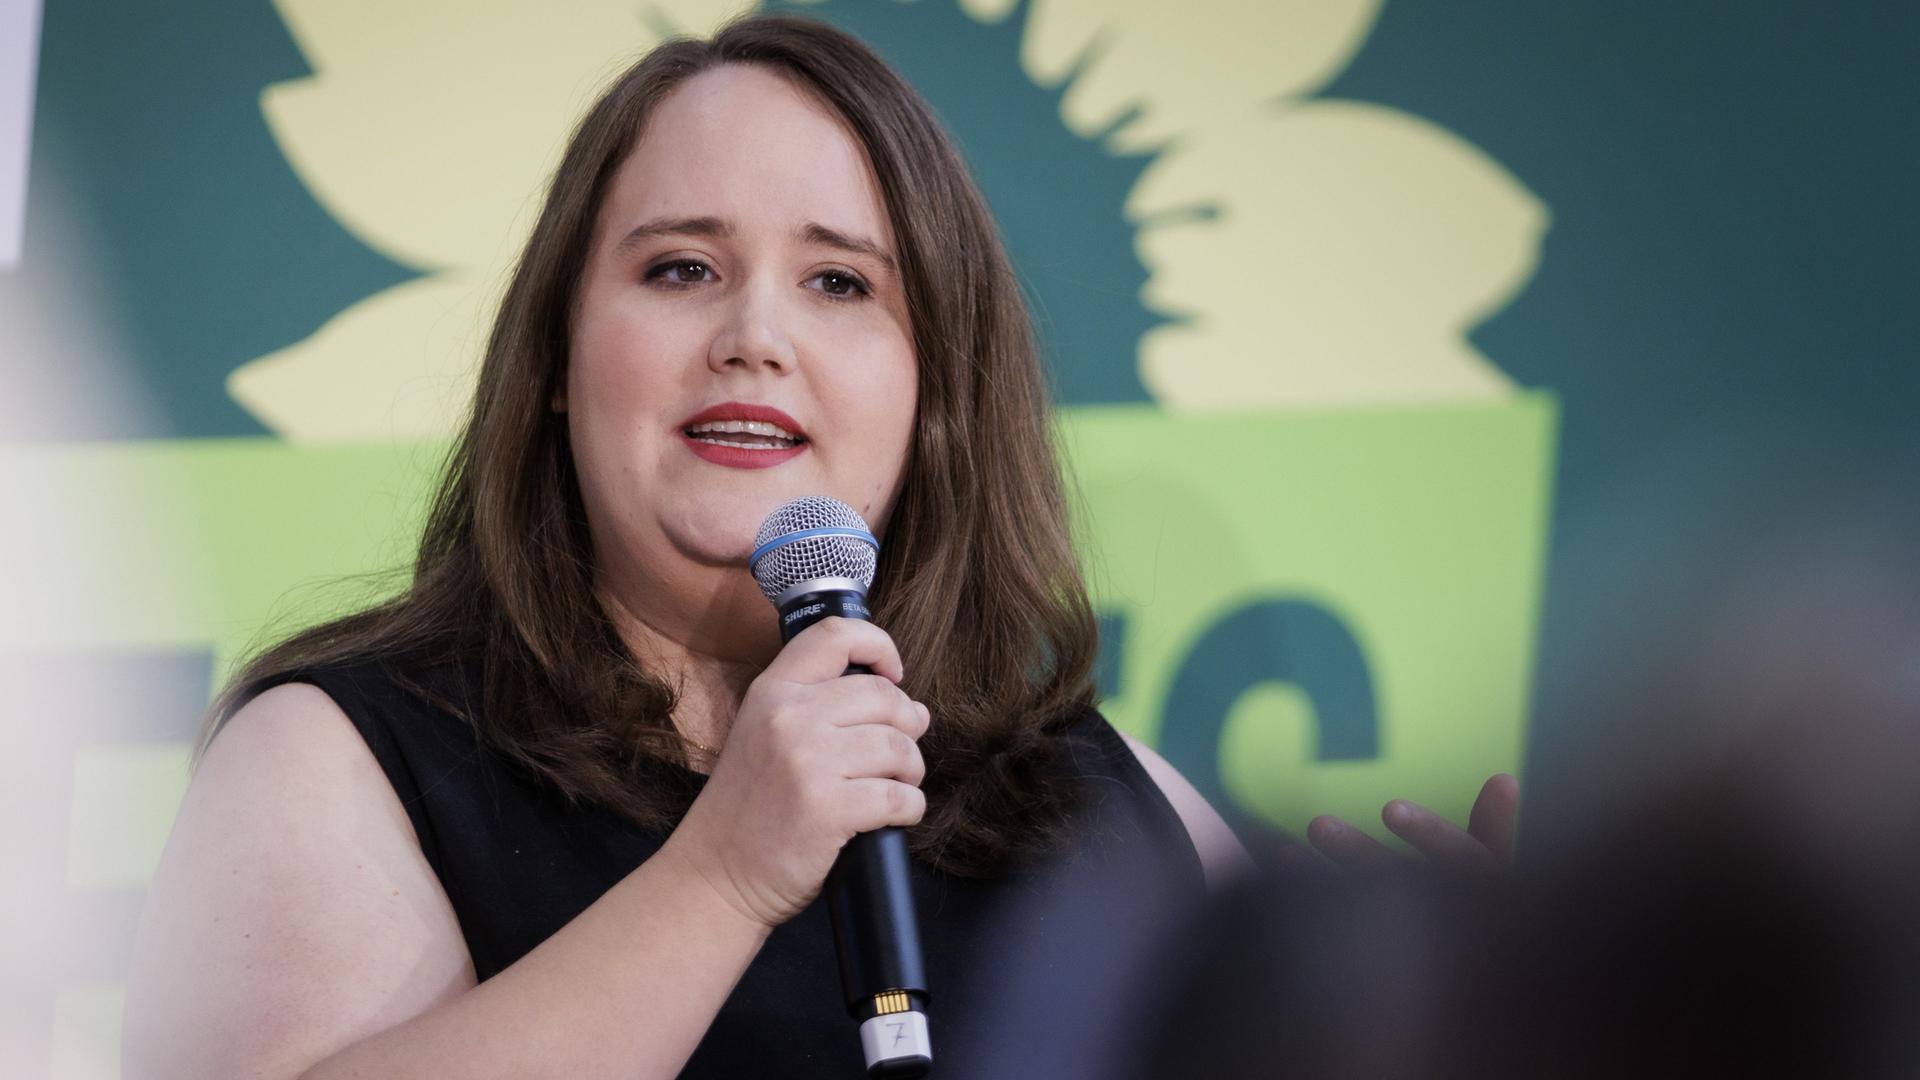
(1486, 843)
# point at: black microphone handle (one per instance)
(871, 886)
(876, 933)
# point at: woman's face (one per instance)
(741, 334)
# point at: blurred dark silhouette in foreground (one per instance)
(1729, 885)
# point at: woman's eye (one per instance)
(679, 272)
(841, 285)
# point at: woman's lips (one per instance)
(709, 446)
(741, 410)
(739, 457)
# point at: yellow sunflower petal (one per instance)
(397, 365)
(1355, 248)
(428, 129)
(989, 11)
(1187, 66)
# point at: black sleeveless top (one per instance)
(1020, 966)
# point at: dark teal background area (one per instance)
(208, 249)
(1058, 197)
(1729, 277)
(1726, 298)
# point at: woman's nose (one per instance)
(753, 334)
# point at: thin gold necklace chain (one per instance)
(698, 745)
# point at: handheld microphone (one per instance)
(814, 558)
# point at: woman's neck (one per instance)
(705, 651)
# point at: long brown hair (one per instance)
(977, 583)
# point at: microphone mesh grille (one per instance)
(804, 558)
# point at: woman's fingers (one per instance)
(870, 699)
(878, 750)
(824, 650)
(1486, 842)
(1435, 837)
(1494, 814)
(876, 803)
(1347, 845)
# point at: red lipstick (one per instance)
(743, 457)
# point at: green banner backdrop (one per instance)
(1317, 280)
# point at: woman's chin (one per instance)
(712, 537)
(722, 532)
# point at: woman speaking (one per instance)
(563, 808)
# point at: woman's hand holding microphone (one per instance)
(813, 758)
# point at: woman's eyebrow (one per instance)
(815, 233)
(716, 228)
(721, 229)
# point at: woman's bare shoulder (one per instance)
(1222, 857)
(293, 911)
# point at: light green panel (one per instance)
(1421, 530)
(1267, 738)
(202, 542)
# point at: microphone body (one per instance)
(876, 933)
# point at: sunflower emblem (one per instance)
(1294, 252)
(1231, 272)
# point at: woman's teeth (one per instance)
(744, 434)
